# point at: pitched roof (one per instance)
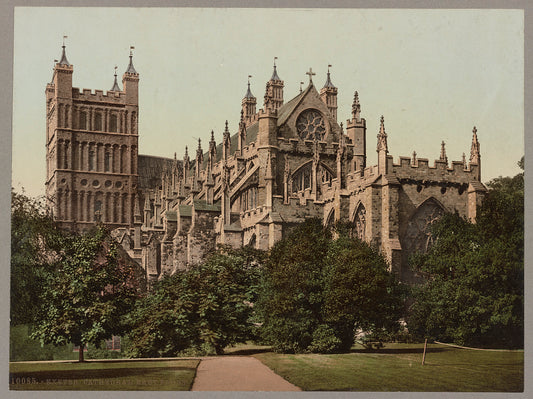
(150, 169)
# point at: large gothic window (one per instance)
(359, 222)
(310, 125)
(418, 236)
(302, 179)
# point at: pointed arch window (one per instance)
(359, 222)
(418, 236)
(91, 159)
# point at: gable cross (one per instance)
(310, 73)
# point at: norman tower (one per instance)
(91, 144)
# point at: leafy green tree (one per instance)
(317, 291)
(359, 291)
(206, 308)
(35, 243)
(474, 295)
(91, 286)
(292, 290)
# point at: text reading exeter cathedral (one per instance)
(288, 161)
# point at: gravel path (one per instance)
(238, 373)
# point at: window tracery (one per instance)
(418, 236)
(310, 125)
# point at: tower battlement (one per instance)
(115, 97)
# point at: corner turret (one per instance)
(274, 91)
(130, 82)
(248, 104)
(328, 95)
(356, 132)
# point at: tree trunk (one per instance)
(80, 354)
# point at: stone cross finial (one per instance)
(311, 74)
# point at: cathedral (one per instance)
(286, 162)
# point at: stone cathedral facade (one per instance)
(286, 162)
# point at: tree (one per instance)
(474, 295)
(91, 286)
(317, 291)
(35, 243)
(207, 307)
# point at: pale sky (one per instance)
(433, 74)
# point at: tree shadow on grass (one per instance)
(397, 351)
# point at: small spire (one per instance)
(242, 116)
(414, 158)
(464, 158)
(301, 83)
(199, 144)
(443, 156)
(186, 153)
(131, 69)
(64, 60)
(328, 83)
(474, 151)
(175, 155)
(382, 136)
(212, 136)
(249, 92)
(275, 73)
(356, 107)
(115, 85)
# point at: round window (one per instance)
(310, 125)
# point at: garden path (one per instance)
(238, 373)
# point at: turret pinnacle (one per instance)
(131, 69)
(328, 83)
(64, 60)
(474, 151)
(356, 107)
(226, 136)
(382, 137)
(275, 72)
(199, 149)
(443, 156)
(249, 92)
(115, 87)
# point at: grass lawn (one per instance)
(397, 367)
(149, 375)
